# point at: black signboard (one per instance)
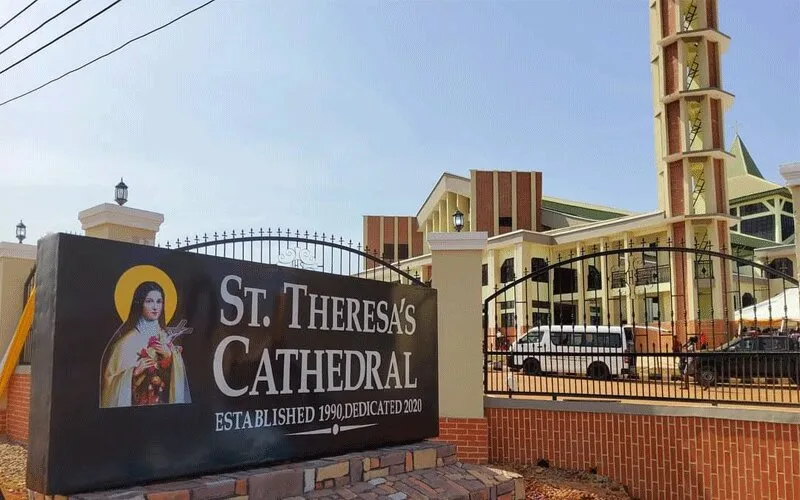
(152, 364)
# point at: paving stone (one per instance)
(424, 459)
(170, 495)
(398, 496)
(376, 481)
(241, 487)
(356, 470)
(277, 484)
(212, 489)
(446, 450)
(395, 458)
(333, 471)
(397, 469)
(309, 481)
(372, 474)
(505, 487)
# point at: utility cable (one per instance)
(18, 14)
(51, 42)
(40, 26)
(108, 53)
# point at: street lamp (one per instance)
(458, 220)
(22, 231)
(121, 192)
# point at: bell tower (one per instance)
(689, 104)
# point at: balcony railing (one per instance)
(652, 275)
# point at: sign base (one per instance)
(396, 467)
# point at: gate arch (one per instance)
(304, 250)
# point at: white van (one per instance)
(594, 351)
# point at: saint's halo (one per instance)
(135, 276)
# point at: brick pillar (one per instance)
(456, 260)
(115, 222)
(16, 262)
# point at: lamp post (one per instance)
(22, 231)
(458, 220)
(121, 192)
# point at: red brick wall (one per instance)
(676, 187)
(668, 22)
(711, 14)
(470, 435)
(538, 214)
(504, 198)
(674, 127)
(657, 456)
(716, 132)
(388, 238)
(719, 187)
(416, 238)
(372, 236)
(713, 68)
(18, 407)
(483, 204)
(524, 201)
(2, 422)
(671, 71)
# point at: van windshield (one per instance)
(532, 337)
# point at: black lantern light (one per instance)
(22, 231)
(458, 220)
(121, 192)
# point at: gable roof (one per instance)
(582, 210)
(744, 177)
(749, 167)
(743, 240)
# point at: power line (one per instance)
(40, 26)
(18, 14)
(108, 53)
(51, 42)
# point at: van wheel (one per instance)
(598, 371)
(707, 376)
(531, 367)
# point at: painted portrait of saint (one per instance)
(143, 363)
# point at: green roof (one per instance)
(763, 194)
(749, 163)
(743, 240)
(582, 212)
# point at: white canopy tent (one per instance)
(780, 311)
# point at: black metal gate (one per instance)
(649, 322)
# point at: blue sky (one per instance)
(309, 115)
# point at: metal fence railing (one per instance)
(742, 371)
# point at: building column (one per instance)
(457, 259)
(16, 262)
(630, 284)
(582, 315)
(606, 289)
(791, 173)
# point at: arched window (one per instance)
(782, 265)
(747, 300)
